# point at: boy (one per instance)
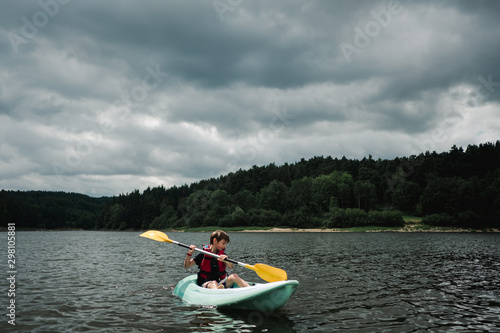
(212, 272)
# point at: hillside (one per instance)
(460, 187)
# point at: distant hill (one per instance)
(460, 187)
(49, 210)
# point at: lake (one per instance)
(360, 282)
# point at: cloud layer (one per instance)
(103, 97)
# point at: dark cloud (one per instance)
(102, 97)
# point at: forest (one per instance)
(459, 188)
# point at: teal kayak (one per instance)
(262, 297)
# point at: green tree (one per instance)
(198, 206)
(245, 199)
(365, 193)
(336, 184)
(300, 194)
(167, 219)
(442, 195)
(386, 218)
(344, 194)
(116, 221)
(264, 217)
(406, 196)
(273, 196)
(323, 188)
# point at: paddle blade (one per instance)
(156, 235)
(268, 273)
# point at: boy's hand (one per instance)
(222, 257)
(191, 249)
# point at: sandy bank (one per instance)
(294, 230)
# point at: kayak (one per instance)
(262, 297)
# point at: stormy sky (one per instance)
(104, 97)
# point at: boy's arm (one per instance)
(188, 261)
(227, 263)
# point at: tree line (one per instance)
(459, 188)
(49, 210)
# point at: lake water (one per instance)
(360, 282)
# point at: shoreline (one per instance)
(405, 229)
(408, 228)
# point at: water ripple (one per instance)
(116, 281)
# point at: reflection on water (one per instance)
(393, 282)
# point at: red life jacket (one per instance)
(211, 268)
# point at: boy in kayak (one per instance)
(212, 272)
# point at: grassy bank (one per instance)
(228, 229)
(412, 224)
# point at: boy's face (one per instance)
(220, 245)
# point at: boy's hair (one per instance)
(219, 235)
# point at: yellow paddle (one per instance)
(266, 272)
